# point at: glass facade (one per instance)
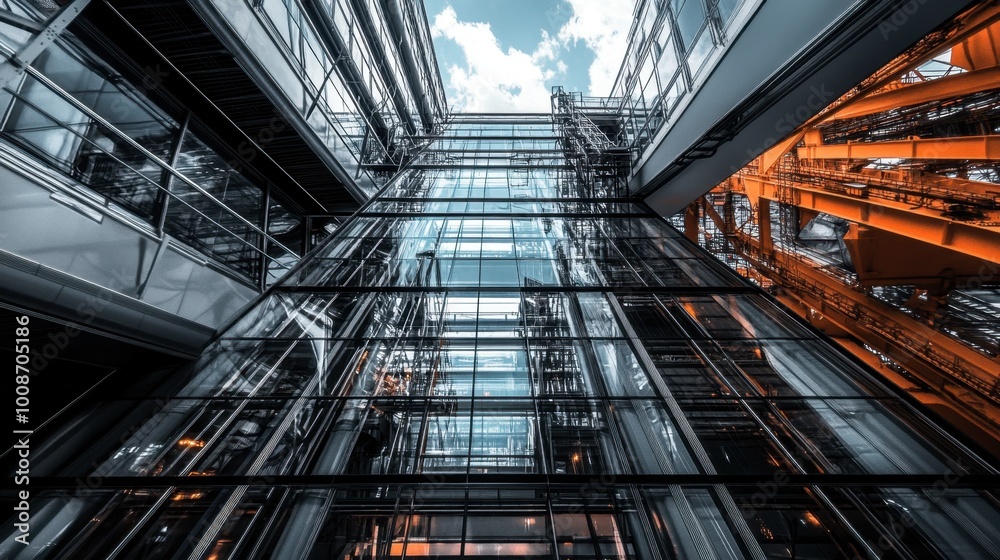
(670, 49)
(361, 74)
(488, 361)
(84, 120)
(359, 78)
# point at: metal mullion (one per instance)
(550, 515)
(269, 522)
(335, 398)
(682, 423)
(265, 222)
(465, 515)
(543, 456)
(420, 452)
(488, 215)
(798, 437)
(475, 365)
(409, 520)
(151, 513)
(533, 480)
(642, 516)
(352, 324)
(168, 178)
(428, 398)
(330, 239)
(589, 365)
(595, 543)
(617, 200)
(696, 345)
(472, 405)
(655, 290)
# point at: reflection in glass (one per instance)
(579, 383)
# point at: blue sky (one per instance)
(504, 55)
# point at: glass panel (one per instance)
(511, 380)
(691, 18)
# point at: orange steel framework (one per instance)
(895, 185)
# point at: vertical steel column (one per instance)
(168, 179)
(764, 226)
(691, 221)
(265, 222)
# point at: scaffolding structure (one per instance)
(592, 134)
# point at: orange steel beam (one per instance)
(967, 379)
(918, 223)
(959, 185)
(691, 221)
(923, 92)
(883, 258)
(971, 23)
(963, 148)
(916, 180)
(981, 50)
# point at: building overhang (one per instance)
(790, 61)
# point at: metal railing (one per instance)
(210, 243)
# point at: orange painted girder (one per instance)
(875, 319)
(964, 148)
(981, 50)
(982, 369)
(923, 92)
(925, 225)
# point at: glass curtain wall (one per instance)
(87, 122)
(352, 84)
(669, 49)
(479, 365)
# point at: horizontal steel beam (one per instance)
(917, 223)
(964, 148)
(610, 481)
(618, 290)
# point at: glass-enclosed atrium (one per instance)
(503, 352)
(485, 363)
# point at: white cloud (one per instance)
(603, 26)
(493, 80)
(515, 81)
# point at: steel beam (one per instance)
(917, 223)
(963, 148)
(883, 258)
(15, 67)
(923, 92)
